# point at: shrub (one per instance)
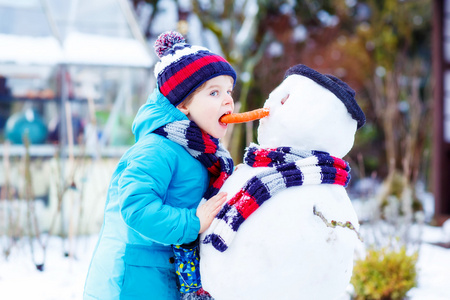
(384, 274)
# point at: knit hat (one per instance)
(344, 92)
(183, 68)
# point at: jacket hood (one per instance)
(156, 112)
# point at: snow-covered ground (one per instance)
(433, 266)
(63, 277)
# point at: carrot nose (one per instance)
(245, 116)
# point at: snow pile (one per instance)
(78, 48)
(82, 48)
(62, 278)
(30, 50)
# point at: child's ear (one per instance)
(183, 108)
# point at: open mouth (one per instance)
(220, 119)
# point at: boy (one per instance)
(154, 192)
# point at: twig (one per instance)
(31, 211)
(7, 197)
(334, 224)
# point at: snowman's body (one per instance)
(284, 250)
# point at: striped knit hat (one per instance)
(344, 92)
(183, 68)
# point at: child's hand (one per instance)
(208, 210)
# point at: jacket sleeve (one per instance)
(142, 188)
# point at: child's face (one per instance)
(210, 103)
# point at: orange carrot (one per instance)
(245, 116)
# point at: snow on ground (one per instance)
(63, 277)
(433, 267)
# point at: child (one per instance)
(154, 192)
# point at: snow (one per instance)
(81, 48)
(433, 265)
(434, 274)
(30, 50)
(275, 49)
(63, 277)
(78, 48)
(251, 10)
(167, 20)
(300, 33)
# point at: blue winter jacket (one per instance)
(151, 204)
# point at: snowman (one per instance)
(288, 229)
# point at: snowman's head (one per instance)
(311, 111)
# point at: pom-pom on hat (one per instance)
(183, 68)
(344, 92)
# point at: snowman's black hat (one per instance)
(342, 90)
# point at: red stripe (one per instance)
(262, 162)
(220, 180)
(187, 71)
(214, 169)
(261, 159)
(341, 177)
(339, 163)
(246, 205)
(210, 146)
(235, 198)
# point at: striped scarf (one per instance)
(219, 164)
(202, 147)
(287, 167)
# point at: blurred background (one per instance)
(74, 73)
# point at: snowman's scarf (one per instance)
(203, 147)
(287, 167)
